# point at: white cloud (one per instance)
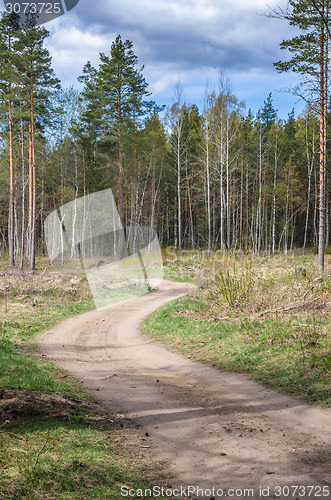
(162, 80)
(175, 39)
(71, 47)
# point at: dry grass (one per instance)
(266, 317)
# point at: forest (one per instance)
(113, 380)
(216, 178)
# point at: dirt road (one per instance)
(215, 429)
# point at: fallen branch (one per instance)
(6, 422)
(41, 449)
(310, 290)
(290, 307)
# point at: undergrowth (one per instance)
(266, 317)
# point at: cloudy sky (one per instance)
(191, 41)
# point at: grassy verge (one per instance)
(56, 441)
(31, 303)
(268, 318)
(56, 447)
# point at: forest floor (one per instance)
(213, 429)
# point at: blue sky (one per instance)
(191, 41)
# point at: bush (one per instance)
(234, 285)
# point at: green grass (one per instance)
(20, 362)
(291, 352)
(75, 449)
(82, 458)
(64, 448)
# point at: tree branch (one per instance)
(322, 16)
(41, 449)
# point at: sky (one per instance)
(187, 41)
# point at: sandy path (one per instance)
(215, 429)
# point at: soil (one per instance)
(23, 405)
(215, 429)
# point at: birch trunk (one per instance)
(310, 166)
(274, 199)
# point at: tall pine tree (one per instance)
(9, 29)
(310, 59)
(38, 81)
(115, 94)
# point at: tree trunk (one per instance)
(227, 187)
(259, 205)
(179, 199)
(11, 189)
(310, 166)
(23, 198)
(274, 199)
(208, 186)
(222, 196)
(241, 197)
(323, 109)
(190, 209)
(11, 173)
(32, 181)
(34, 200)
(120, 164)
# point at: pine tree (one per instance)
(8, 79)
(310, 59)
(37, 81)
(114, 96)
(268, 161)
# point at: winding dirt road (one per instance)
(215, 429)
